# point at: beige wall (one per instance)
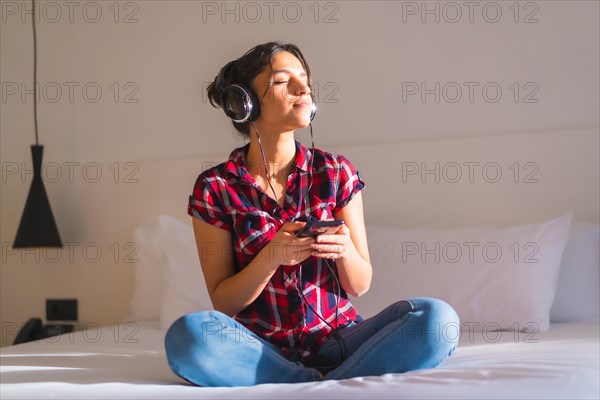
(365, 59)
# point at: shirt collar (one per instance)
(236, 163)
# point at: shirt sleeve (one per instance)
(348, 184)
(206, 204)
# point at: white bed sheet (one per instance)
(123, 363)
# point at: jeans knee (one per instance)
(186, 328)
(436, 309)
(438, 320)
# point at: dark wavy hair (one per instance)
(244, 69)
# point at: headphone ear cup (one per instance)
(240, 103)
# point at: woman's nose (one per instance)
(299, 88)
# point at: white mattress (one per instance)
(561, 363)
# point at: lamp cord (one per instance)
(34, 72)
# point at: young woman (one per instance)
(281, 308)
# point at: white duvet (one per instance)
(129, 362)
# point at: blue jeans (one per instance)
(209, 348)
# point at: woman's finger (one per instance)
(329, 239)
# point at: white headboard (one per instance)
(466, 181)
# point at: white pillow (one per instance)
(578, 292)
(185, 290)
(473, 269)
(148, 275)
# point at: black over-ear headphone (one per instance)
(241, 104)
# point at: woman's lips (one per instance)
(303, 104)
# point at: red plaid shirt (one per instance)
(228, 197)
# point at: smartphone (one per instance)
(316, 228)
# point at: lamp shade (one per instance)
(37, 227)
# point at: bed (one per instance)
(550, 350)
(561, 363)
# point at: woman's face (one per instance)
(284, 94)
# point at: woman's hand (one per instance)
(336, 246)
(287, 249)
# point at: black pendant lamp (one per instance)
(37, 227)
